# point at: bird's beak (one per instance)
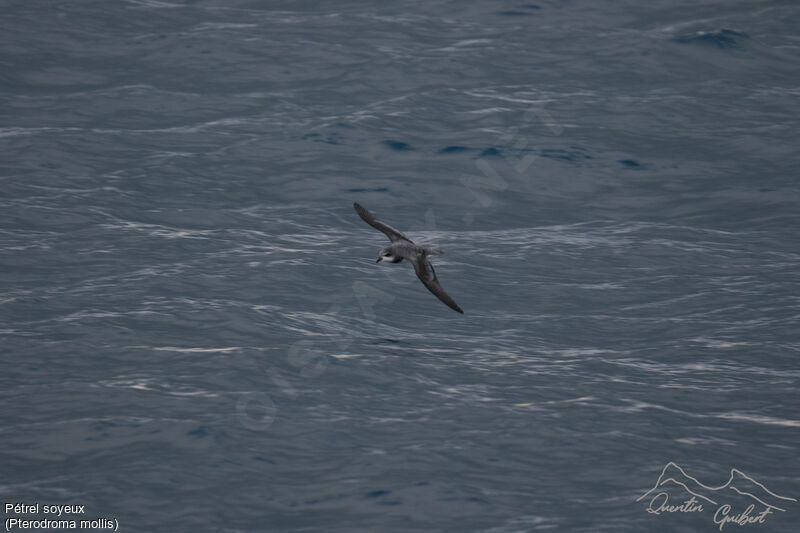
(379, 260)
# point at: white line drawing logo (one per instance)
(702, 496)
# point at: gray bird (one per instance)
(403, 248)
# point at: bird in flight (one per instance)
(403, 248)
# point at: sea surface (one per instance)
(194, 335)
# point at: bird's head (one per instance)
(386, 255)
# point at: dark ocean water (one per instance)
(194, 335)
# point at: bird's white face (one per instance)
(385, 256)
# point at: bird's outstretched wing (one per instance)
(427, 276)
(370, 219)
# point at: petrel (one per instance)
(403, 248)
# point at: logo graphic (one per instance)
(741, 500)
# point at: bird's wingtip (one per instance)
(359, 209)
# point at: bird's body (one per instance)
(403, 248)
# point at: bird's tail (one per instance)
(433, 251)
